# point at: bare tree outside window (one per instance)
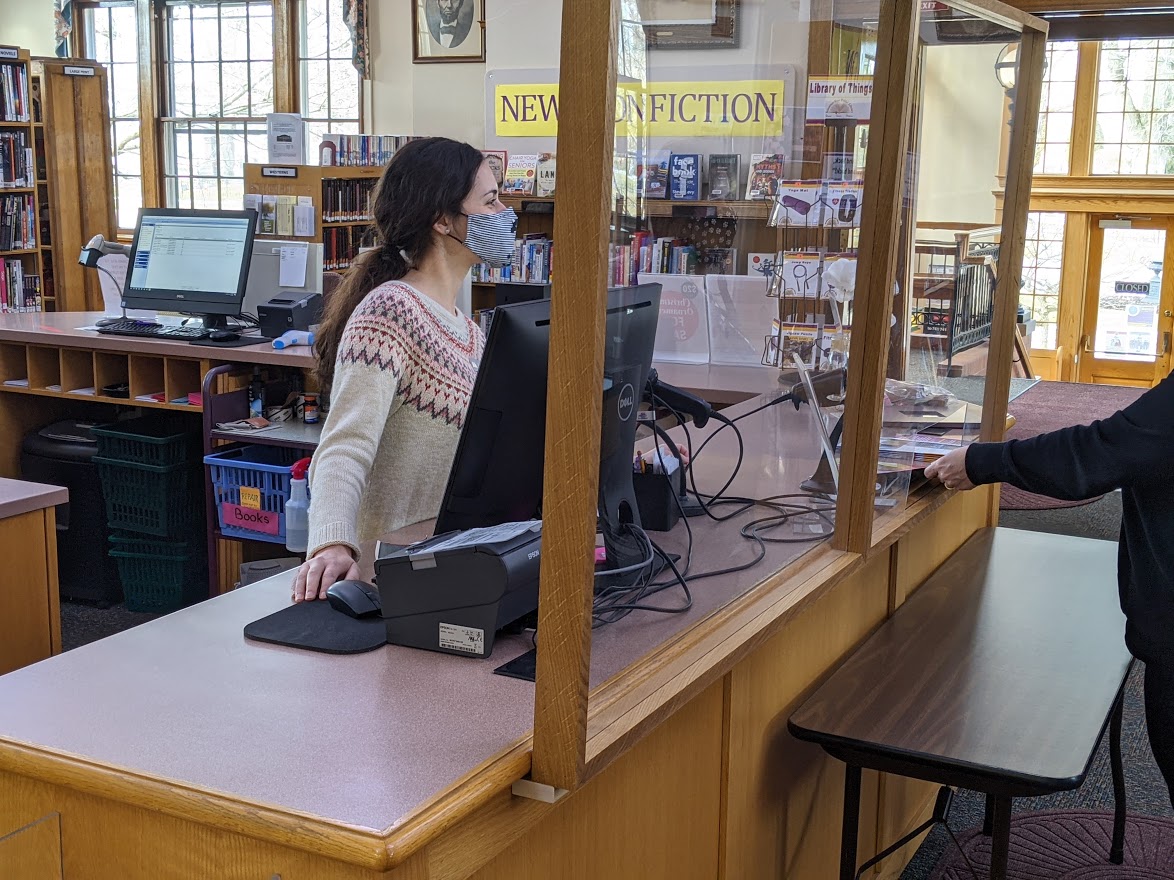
(1135, 108)
(1043, 255)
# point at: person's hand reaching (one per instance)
(950, 471)
(318, 573)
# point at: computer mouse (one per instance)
(354, 598)
(224, 336)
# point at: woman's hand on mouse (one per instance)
(318, 573)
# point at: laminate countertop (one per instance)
(19, 496)
(364, 742)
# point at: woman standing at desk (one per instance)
(398, 358)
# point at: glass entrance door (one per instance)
(1127, 317)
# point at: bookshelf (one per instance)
(338, 194)
(75, 179)
(21, 275)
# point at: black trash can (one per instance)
(60, 455)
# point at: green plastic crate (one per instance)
(157, 583)
(152, 499)
(157, 441)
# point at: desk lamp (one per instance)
(91, 253)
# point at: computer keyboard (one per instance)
(130, 327)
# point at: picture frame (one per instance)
(693, 24)
(447, 31)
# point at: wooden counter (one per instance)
(179, 743)
(30, 618)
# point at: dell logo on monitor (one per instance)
(627, 402)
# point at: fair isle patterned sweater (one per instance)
(402, 381)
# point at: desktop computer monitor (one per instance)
(265, 272)
(190, 261)
(496, 475)
(509, 292)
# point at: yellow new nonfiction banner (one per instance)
(741, 108)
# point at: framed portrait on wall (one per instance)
(448, 30)
(689, 24)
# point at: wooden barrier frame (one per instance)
(583, 210)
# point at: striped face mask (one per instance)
(491, 236)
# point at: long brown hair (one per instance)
(426, 180)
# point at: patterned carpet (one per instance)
(1070, 845)
(1048, 406)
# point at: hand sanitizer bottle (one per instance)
(297, 509)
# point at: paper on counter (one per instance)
(293, 265)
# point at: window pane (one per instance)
(1054, 131)
(261, 32)
(1043, 253)
(314, 29)
(124, 83)
(207, 89)
(206, 193)
(262, 88)
(129, 194)
(344, 90)
(126, 147)
(232, 193)
(181, 90)
(100, 27)
(234, 34)
(204, 153)
(124, 35)
(256, 144)
(315, 89)
(232, 150)
(234, 79)
(1134, 107)
(205, 34)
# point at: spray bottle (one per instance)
(297, 509)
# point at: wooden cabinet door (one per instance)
(34, 851)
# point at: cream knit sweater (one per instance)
(402, 381)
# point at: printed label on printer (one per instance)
(466, 639)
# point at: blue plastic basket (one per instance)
(265, 468)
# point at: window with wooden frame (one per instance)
(1134, 130)
(1057, 102)
(328, 84)
(1042, 263)
(109, 35)
(218, 84)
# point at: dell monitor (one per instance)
(265, 272)
(496, 476)
(190, 261)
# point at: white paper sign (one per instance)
(293, 265)
(286, 141)
(303, 220)
(682, 329)
(843, 99)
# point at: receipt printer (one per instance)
(453, 592)
(289, 313)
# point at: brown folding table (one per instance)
(999, 675)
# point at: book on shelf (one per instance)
(719, 261)
(644, 254)
(267, 221)
(284, 222)
(653, 176)
(685, 176)
(497, 161)
(14, 92)
(341, 244)
(723, 176)
(19, 292)
(766, 170)
(360, 150)
(532, 263)
(520, 175)
(18, 222)
(544, 175)
(347, 201)
(17, 168)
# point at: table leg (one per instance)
(1000, 836)
(1117, 851)
(851, 827)
(988, 816)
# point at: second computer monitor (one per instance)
(265, 271)
(497, 472)
(190, 261)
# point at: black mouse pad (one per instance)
(524, 666)
(316, 626)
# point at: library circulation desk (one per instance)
(180, 750)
